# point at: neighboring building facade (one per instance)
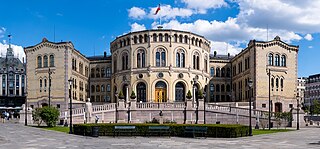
(163, 65)
(312, 90)
(301, 88)
(13, 82)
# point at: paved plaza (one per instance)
(17, 136)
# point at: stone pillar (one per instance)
(190, 115)
(133, 107)
(88, 109)
(23, 115)
(301, 118)
(201, 111)
(121, 112)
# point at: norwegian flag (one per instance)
(158, 9)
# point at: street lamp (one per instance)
(298, 109)
(250, 83)
(195, 81)
(116, 94)
(70, 107)
(49, 72)
(269, 100)
(204, 107)
(26, 111)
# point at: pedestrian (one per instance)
(2, 117)
(7, 115)
(97, 118)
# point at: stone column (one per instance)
(201, 111)
(190, 115)
(133, 107)
(121, 112)
(23, 115)
(301, 118)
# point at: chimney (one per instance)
(215, 53)
(105, 54)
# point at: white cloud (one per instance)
(293, 15)
(310, 47)
(201, 6)
(224, 48)
(308, 37)
(137, 27)
(59, 14)
(136, 13)
(167, 12)
(17, 50)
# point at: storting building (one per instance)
(161, 66)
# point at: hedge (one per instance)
(214, 130)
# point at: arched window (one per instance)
(92, 89)
(103, 72)
(270, 59)
(223, 72)
(222, 88)
(212, 71)
(218, 88)
(160, 38)
(277, 60)
(108, 75)
(179, 92)
(45, 61)
(180, 58)
(272, 82)
(98, 88)
(154, 37)
(218, 72)
(125, 61)
(196, 61)
(141, 92)
(160, 58)
(180, 38)
(141, 58)
(102, 88)
(283, 61)
(97, 72)
(145, 38)
(39, 59)
(228, 72)
(277, 82)
(211, 92)
(92, 72)
(228, 89)
(51, 61)
(185, 39)
(135, 39)
(192, 40)
(175, 38)
(140, 38)
(40, 84)
(281, 83)
(205, 63)
(166, 37)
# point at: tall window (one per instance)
(108, 88)
(166, 37)
(196, 61)
(141, 58)
(45, 61)
(211, 92)
(281, 83)
(283, 60)
(98, 88)
(51, 61)
(97, 72)
(277, 82)
(108, 72)
(180, 58)
(92, 73)
(160, 37)
(218, 72)
(103, 72)
(92, 88)
(180, 38)
(185, 39)
(205, 63)
(212, 71)
(160, 58)
(154, 37)
(39, 59)
(270, 59)
(125, 61)
(277, 60)
(223, 72)
(40, 85)
(228, 72)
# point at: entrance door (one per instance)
(160, 95)
(179, 92)
(278, 107)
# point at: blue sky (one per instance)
(228, 24)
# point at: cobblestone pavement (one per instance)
(17, 136)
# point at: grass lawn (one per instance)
(267, 131)
(57, 128)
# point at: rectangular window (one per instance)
(58, 106)
(264, 105)
(290, 105)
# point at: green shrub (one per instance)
(213, 130)
(49, 115)
(36, 116)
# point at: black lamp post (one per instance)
(269, 100)
(49, 72)
(116, 94)
(70, 107)
(26, 111)
(204, 107)
(250, 83)
(298, 110)
(195, 81)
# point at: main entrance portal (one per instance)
(161, 92)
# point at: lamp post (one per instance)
(250, 83)
(116, 94)
(269, 101)
(26, 111)
(70, 106)
(49, 72)
(195, 81)
(298, 110)
(204, 107)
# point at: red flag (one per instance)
(158, 9)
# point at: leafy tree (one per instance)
(36, 116)
(287, 116)
(49, 115)
(316, 107)
(278, 117)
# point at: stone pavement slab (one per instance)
(17, 136)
